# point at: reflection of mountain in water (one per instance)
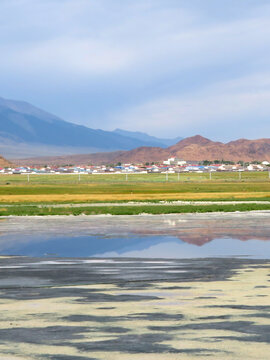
(79, 246)
(94, 236)
(203, 232)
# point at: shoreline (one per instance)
(141, 203)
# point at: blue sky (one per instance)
(167, 67)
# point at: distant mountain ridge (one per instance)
(195, 148)
(145, 137)
(26, 128)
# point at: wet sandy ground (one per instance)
(123, 309)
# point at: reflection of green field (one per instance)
(102, 188)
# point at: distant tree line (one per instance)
(227, 162)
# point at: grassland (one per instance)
(57, 189)
(127, 210)
(136, 178)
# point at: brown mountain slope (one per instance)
(199, 148)
(197, 139)
(195, 148)
(4, 162)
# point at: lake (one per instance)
(146, 236)
(171, 287)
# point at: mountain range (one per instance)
(147, 138)
(195, 148)
(26, 130)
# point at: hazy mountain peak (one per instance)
(154, 141)
(24, 107)
(39, 133)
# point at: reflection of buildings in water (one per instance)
(170, 222)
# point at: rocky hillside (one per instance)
(196, 148)
(4, 162)
(200, 148)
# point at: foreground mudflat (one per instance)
(134, 309)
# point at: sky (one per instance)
(166, 67)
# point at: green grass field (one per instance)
(126, 210)
(143, 187)
(141, 178)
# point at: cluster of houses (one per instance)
(172, 165)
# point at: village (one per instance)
(170, 166)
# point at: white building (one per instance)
(174, 161)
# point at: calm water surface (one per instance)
(160, 236)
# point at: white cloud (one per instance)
(163, 62)
(219, 106)
(68, 55)
(90, 36)
(84, 37)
